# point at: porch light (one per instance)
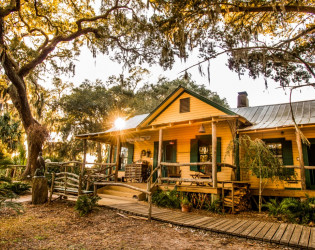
(202, 129)
(120, 123)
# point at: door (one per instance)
(309, 160)
(168, 155)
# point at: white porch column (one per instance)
(160, 155)
(214, 154)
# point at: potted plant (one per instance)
(186, 205)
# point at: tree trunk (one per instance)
(36, 133)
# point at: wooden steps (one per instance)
(123, 191)
(280, 233)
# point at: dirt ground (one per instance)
(57, 226)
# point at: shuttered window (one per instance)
(195, 150)
(184, 105)
(282, 149)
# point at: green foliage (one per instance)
(261, 38)
(293, 210)
(16, 187)
(168, 198)
(10, 131)
(185, 201)
(215, 206)
(275, 208)
(6, 195)
(85, 204)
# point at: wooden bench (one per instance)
(66, 185)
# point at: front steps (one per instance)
(125, 192)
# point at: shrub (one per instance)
(215, 206)
(16, 187)
(168, 198)
(293, 210)
(6, 196)
(85, 204)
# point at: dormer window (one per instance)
(184, 105)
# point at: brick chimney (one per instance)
(242, 100)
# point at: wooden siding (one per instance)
(287, 134)
(183, 135)
(198, 110)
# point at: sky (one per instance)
(223, 81)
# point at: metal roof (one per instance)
(133, 122)
(278, 115)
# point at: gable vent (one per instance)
(184, 105)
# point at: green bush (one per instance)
(16, 187)
(85, 204)
(215, 206)
(293, 210)
(7, 195)
(168, 198)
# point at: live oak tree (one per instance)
(39, 37)
(269, 38)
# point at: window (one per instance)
(204, 152)
(276, 148)
(184, 105)
(124, 158)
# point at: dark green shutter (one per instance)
(130, 152)
(219, 153)
(287, 155)
(193, 153)
(155, 158)
(306, 163)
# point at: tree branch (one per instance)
(278, 8)
(50, 47)
(104, 16)
(304, 32)
(307, 65)
(14, 6)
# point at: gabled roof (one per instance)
(278, 115)
(174, 96)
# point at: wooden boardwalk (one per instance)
(281, 233)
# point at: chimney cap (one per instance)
(243, 93)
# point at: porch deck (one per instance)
(280, 233)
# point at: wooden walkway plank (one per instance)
(289, 234)
(263, 231)
(305, 235)
(166, 217)
(200, 221)
(190, 219)
(277, 237)
(256, 230)
(268, 236)
(229, 225)
(201, 225)
(286, 237)
(213, 226)
(179, 219)
(311, 243)
(234, 228)
(295, 238)
(251, 227)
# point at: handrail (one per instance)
(172, 164)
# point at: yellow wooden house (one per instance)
(187, 129)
